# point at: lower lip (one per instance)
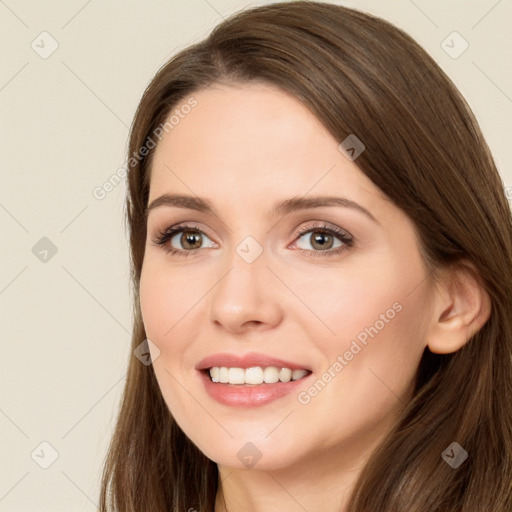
(249, 396)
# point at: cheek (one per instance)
(370, 316)
(380, 291)
(371, 360)
(152, 300)
(163, 298)
(159, 302)
(161, 309)
(170, 302)
(348, 304)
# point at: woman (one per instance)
(321, 253)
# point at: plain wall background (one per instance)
(66, 321)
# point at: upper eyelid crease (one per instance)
(185, 226)
(348, 241)
(283, 208)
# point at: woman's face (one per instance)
(351, 310)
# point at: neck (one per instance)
(323, 481)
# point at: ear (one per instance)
(461, 306)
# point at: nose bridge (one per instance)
(244, 294)
(246, 267)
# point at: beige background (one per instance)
(65, 118)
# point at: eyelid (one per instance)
(320, 224)
(345, 237)
(185, 225)
(163, 237)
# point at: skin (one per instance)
(245, 147)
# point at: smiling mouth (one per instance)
(254, 376)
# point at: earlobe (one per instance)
(461, 306)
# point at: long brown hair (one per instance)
(359, 75)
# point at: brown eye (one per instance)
(325, 241)
(191, 240)
(321, 240)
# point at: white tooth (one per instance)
(223, 375)
(214, 373)
(236, 376)
(254, 375)
(285, 375)
(270, 374)
(298, 374)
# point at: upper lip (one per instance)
(247, 361)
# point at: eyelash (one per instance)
(163, 237)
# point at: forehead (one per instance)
(251, 140)
(258, 118)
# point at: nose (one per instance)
(246, 296)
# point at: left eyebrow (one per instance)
(282, 208)
(302, 203)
